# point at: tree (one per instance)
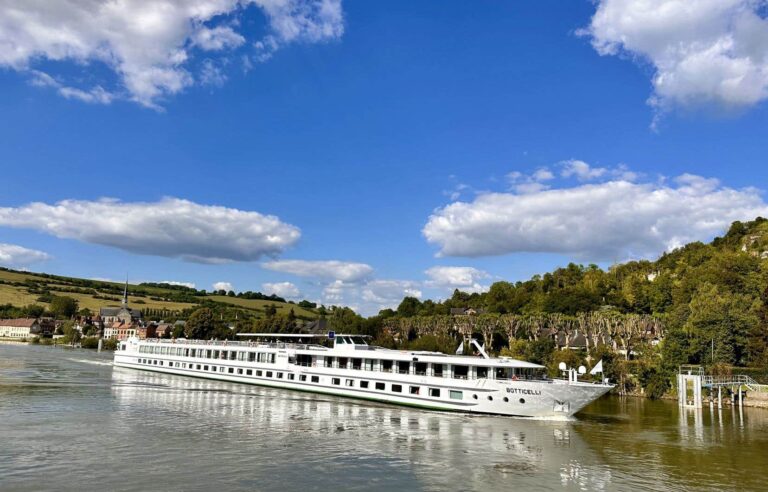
(200, 324)
(34, 310)
(63, 307)
(409, 307)
(178, 331)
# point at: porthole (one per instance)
(490, 398)
(522, 400)
(474, 396)
(506, 399)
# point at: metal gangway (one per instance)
(691, 379)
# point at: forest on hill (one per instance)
(699, 304)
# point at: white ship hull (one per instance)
(513, 397)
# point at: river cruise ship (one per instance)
(346, 365)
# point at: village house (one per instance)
(19, 328)
(123, 322)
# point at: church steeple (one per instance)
(125, 294)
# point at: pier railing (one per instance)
(734, 380)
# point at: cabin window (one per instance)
(183, 364)
(522, 400)
(415, 390)
(208, 354)
(460, 372)
(259, 373)
(215, 354)
(421, 368)
(336, 381)
(269, 374)
(239, 371)
(368, 364)
(457, 395)
(248, 372)
(279, 375)
(504, 373)
(330, 361)
(186, 352)
(197, 367)
(350, 382)
(437, 369)
(241, 356)
(251, 356)
(386, 365)
(490, 398)
(232, 355)
(221, 369)
(302, 377)
(403, 367)
(231, 370)
(434, 392)
(357, 364)
(482, 372)
(315, 379)
(291, 377)
(343, 361)
(381, 386)
(364, 384)
(397, 388)
(304, 360)
(213, 368)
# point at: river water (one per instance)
(71, 421)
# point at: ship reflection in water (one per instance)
(71, 421)
(269, 438)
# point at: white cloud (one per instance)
(286, 290)
(581, 170)
(386, 293)
(327, 270)
(171, 227)
(191, 285)
(14, 255)
(148, 44)
(524, 183)
(223, 286)
(704, 51)
(605, 221)
(466, 279)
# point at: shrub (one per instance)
(110, 344)
(89, 342)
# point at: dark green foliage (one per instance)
(63, 307)
(200, 325)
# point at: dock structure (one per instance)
(691, 379)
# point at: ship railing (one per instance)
(230, 343)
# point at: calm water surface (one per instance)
(69, 420)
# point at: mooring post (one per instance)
(719, 398)
(741, 396)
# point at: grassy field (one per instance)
(19, 295)
(260, 305)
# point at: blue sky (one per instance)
(352, 153)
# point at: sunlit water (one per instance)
(69, 420)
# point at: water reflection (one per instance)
(72, 421)
(434, 451)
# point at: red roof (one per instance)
(19, 322)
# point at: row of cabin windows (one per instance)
(399, 367)
(428, 369)
(239, 355)
(350, 383)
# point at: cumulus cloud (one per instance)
(223, 286)
(388, 292)
(191, 285)
(707, 51)
(600, 221)
(286, 290)
(343, 271)
(14, 255)
(171, 227)
(466, 279)
(149, 45)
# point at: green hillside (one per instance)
(21, 289)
